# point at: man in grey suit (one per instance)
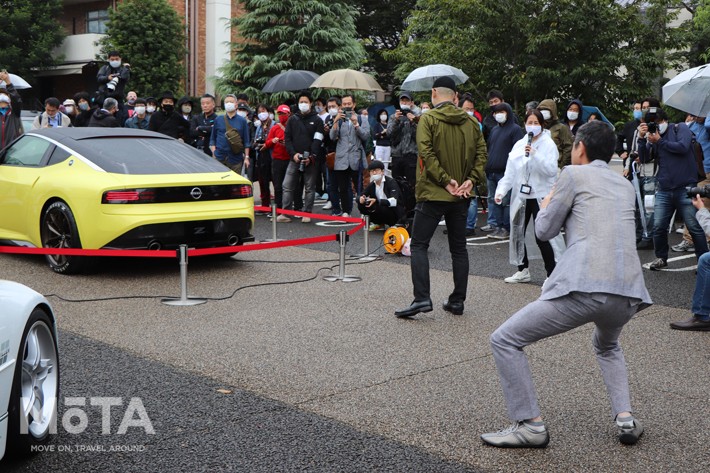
(598, 279)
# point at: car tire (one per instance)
(35, 381)
(58, 230)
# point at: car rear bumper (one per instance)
(195, 234)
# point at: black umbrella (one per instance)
(290, 80)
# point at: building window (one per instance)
(97, 21)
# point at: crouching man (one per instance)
(597, 280)
(382, 199)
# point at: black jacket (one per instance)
(11, 122)
(101, 118)
(579, 123)
(391, 189)
(83, 118)
(200, 131)
(628, 137)
(501, 140)
(172, 125)
(304, 133)
(102, 78)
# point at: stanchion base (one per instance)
(364, 257)
(346, 278)
(271, 240)
(182, 302)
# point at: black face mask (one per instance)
(168, 109)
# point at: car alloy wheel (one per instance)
(35, 389)
(59, 230)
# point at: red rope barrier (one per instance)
(194, 251)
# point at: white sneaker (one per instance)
(442, 222)
(283, 219)
(328, 205)
(345, 214)
(306, 220)
(520, 276)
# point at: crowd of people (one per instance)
(431, 162)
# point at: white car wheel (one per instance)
(35, 388)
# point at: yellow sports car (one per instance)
(117, 189)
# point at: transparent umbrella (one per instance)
(422, 78)
(17, 81)
(689, 91)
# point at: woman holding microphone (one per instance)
(530, 174)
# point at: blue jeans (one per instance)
(472, 215)
(498, 214)
(666, 203)
(701, 296)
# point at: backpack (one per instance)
(233, 137)
(697, 152)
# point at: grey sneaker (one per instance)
(518, 435)
(657, 264)
(488, 228)
(630, 435)
(500, 234)
(683, 246)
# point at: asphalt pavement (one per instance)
(276, 375)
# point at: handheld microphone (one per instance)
(530, 137)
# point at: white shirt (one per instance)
(380, 192)
(539, 170)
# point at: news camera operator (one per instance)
(382, 199)
(114, 76)
(303, 136)
(700, 321)
(671, 144)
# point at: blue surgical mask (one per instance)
(637, 114)
(4, 110)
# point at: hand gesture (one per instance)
(452, 186)
(698, 202)
(464, 190)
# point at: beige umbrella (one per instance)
(347, 79)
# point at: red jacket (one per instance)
(279, 149)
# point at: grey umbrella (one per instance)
(290, 80)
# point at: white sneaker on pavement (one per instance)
(683, 246)
(328, 205)
(345, 214)
(519, 277)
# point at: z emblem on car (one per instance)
(196, 193)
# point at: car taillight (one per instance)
(241, 191)
(129, 196)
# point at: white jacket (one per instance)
(539, 170)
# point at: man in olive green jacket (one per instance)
(452, 158)
(561, 134)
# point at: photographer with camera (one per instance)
(402, 130)
(700, 321)
(303, 135)
(350, 133)
(114, 76)
(201, 124)
(671, 144)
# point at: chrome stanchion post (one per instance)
(273, 224)
(366, 256)
(184, 300)
(343, 238)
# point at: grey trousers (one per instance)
(290, 184)
(542, 319)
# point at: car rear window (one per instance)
(131, 155)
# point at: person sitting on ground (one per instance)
(382, 199)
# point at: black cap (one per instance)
(243, 106)
(405, 94)
(167, 95)
(375, 164)
(446, 82)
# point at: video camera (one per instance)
(702, 191)
(303, 160)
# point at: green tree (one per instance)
(149, 35)
(604, 52)
(28, 35)
(380, 25)
(313, 35)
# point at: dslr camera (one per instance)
(111, 85)
(303, 160)
(702, 191)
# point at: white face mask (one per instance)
(67, 108)
(572, 116)
(4, 98)
(534, 129)
(546, 114)
(424, 110)
(242, 113)
(139, 110)
(304, 107)
(186, 109)
(114, 64)
(375, 177)
(383, 118)
(230, 107)
(470, 113)
(257, 123)
(263, 116)
(319, 109)
(662, 127)
(501, 117)
(333, 112)
(271, 116)
(404, 107)
(150, 109)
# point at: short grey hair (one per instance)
(445, 91)
(230, 95)
(110, 103)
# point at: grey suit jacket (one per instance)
(596, 207)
